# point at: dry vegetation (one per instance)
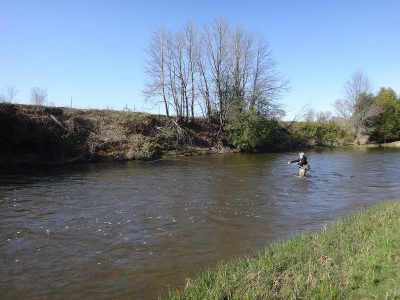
(37, 135)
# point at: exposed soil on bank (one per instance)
(37, 135)
(40, 135)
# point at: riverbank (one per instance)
(357, 258)
(37, 135)
(391, 145)
(386, 145)
(40, 135)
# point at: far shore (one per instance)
(390, 145)
(383, 145)
(40, 135)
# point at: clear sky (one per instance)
(94, 50)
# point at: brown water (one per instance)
(131, 230)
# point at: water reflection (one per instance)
(129, 230)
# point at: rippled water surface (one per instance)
(131, 230)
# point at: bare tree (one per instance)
(358, 84)
(310, 115)
(182, 74)
(11, 93)
(341, 109)
(218, 69)
(38, 96)
(359, 106)
(156, 67)
(323, 116)
(240, 59)
(176, 79)
(216, 38)
(192, 53)
(267, 84)
(204, 87)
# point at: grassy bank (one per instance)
(357, 258)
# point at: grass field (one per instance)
(356, 258)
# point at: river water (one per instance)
(131, 230)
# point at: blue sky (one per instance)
(94, 51)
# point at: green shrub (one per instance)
(321, 134)
(250, 131)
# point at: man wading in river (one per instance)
(302, 163)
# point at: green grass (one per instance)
(356, 258)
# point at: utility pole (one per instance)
(71, 102)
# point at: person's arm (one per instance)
(294, 161)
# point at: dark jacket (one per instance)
(300, 162)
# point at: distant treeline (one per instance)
(229, 76)
(361, 117)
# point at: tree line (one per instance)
(38, 95)
(216, 71)
(367, 116)
(228, 75)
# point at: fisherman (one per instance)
(302, 163)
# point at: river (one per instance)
(130, 230)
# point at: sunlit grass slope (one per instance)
(356, 258)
